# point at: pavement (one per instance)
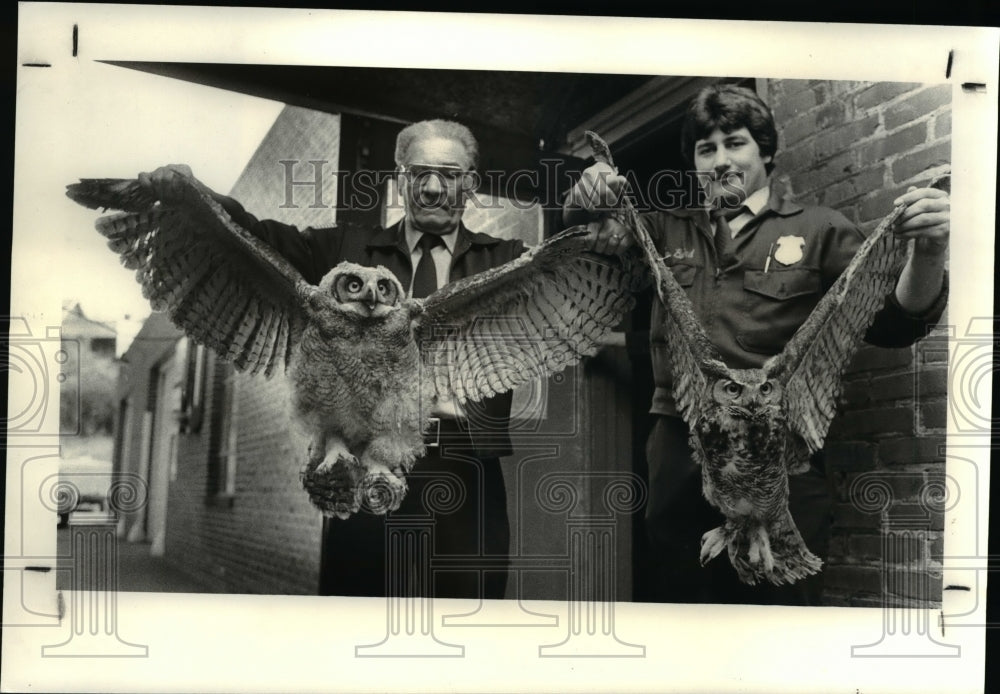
(138, 570)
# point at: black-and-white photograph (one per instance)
(348, 354)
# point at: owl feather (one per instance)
(366, 365)
(746, 452)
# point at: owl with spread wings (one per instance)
(751, 428)
(366, 364)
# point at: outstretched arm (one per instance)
(312, 253)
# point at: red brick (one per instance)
(938, 354)
(838, 546)
(917, 106)
(871, 358)
(912, 165)
(897, 143)
(831, 114)
(882, 421)
(842, 88)
(859, 579)
(795, 159)
(854, 394)
(906, 486)
(790, 87)
(879, 203)
(932, 382)
(914, 514)
(923, 586)
(936, 548)
(829, 143)
(830, 171)
(865, 547)
(934, 415)
(870, 547)
(847, 515)
(797, 128)
(903, 451)
(793, 104)
(855, 186)
(942, 125)
(878, 94)
(892, 387)
(849, 455)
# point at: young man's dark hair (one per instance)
(728, 107)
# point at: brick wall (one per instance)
(265, 538)
(855, 146)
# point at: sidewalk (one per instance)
(137, 570)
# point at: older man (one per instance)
(428, 248)
(754, 265)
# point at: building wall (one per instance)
(155, 340)
(265, 537)
(856, 146)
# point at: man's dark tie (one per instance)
(723, 233)
(425, 276)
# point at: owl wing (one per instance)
(528, 318)
(692, 356)
(813, 361)
(218, 283)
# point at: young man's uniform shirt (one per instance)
(780, 262)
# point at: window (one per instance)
(193, 397)
(223, 457)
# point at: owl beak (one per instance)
(370, 300)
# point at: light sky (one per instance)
(105, 121)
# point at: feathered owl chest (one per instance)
(751, 428)
(365, 364)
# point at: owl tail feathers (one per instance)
(775, 554)
(792, 559)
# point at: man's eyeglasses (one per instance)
(453, 177)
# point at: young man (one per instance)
(754, 266)
(427, 249)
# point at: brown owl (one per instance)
(751, 428)
(366, 363)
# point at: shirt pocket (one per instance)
(683, 273)
(775, 305)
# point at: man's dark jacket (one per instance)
(315, 251)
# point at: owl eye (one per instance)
(733, 389)
(383, 287)
(766, 388)
(354, 284)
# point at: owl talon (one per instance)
(712, 542)
(333, 482)
(383, 491)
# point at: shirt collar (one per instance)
(758, 200)
(776, 199)
(413, 237)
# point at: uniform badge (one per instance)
(789, 249)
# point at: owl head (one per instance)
(747, 393)
(368, 292)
